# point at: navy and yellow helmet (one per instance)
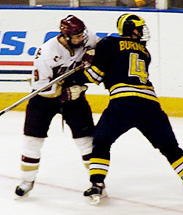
(128, 22)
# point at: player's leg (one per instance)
(78, 116)
(111, 125)
(39, 114)
(156, 127)
(30, 160)
(99, 161)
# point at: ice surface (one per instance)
(140, 180)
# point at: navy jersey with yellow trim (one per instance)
(122, 64)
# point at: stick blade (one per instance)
(2, 112)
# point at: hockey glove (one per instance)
(88, 57)
(72, 93)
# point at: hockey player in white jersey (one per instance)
(55, 57)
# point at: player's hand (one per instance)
(88, 57)
(72, 93)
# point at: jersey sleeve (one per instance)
(43, 74)
(96, 72)
(92, 40)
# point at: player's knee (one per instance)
(85, 145)
(32, 146)
(172, 153)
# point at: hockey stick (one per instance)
(34, 93)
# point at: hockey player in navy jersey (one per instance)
(122, 63)
(55, 57)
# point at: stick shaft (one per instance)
(34, 93)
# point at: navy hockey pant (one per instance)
(123, 114)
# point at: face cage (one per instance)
(85, 40)
(146, 34)
(85, 36)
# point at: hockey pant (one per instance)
(39, 114)
(124, 114)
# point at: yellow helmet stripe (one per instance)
(123, 18)
(138, 22)
(121, 23)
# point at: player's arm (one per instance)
(43, 74)
(96, 72)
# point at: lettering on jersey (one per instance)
(38, 53)
(36, 75)
(137, 68)
(132, 45)
(56, 58)
(59, 70)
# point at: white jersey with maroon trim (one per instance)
(52, 59)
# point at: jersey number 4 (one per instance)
(137, 68)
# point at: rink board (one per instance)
(172, 106)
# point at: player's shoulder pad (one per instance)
(50, 47)
(106, 41)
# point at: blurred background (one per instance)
(160, 4)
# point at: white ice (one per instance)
(140, 180)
